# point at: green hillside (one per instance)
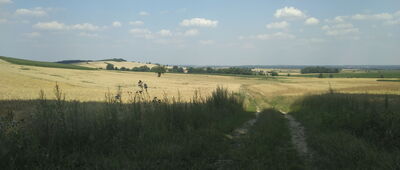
(43, 64)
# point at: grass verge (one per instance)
(352, 131)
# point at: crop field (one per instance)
(25, 82)
(103, 64)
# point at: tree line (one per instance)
(230, 70)
(319, 69)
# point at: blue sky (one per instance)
(207, 32)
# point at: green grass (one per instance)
(43, 64)
(365, 74)
(388, 80)
(352, 131)
(132, 134)
(267, 146)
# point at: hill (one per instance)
(43, 64)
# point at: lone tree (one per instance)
(159, 70)
(110, 66)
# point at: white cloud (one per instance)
(206, 42)
(393, 22)
(85, 26)
(54, 25)
(278, 25)
(289, 13)
(36, 12)
(116, 24)
(340, 29)
(199, 22)
(136, 23)
(312, 21)
(191, 32)
(278, 35)
(397, 14)
(165, 33)
(32, 34)
(337, 19)
(85, 34)
(142, 33)
(381, 16)
(144, 13)
(5, 2)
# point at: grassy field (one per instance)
(42, 64)
(351, 131)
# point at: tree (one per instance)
(141, 69)
(110, 66)
(159, 70)
(320, 75)
(274, 73)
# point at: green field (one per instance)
(43, 64)
(351, 131)
(363, 74)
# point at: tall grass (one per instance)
(267, 146)
(130, 132)
(352, 131)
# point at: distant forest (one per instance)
(319, 70)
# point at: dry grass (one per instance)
(24, 82)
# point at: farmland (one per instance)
(188, 128)
(24, 82)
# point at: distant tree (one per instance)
(176, 69)
(320, 75)
(288, 74)
(382, 76)
(141, 69)
(116, 68)
(330, 75)
(124, 69)
(110, 66)
(274, 73)
(159, 70)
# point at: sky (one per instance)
(206, 32)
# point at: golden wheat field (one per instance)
(103, 64)
(25, 82)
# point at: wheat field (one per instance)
(25, 82)
(103, 64)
